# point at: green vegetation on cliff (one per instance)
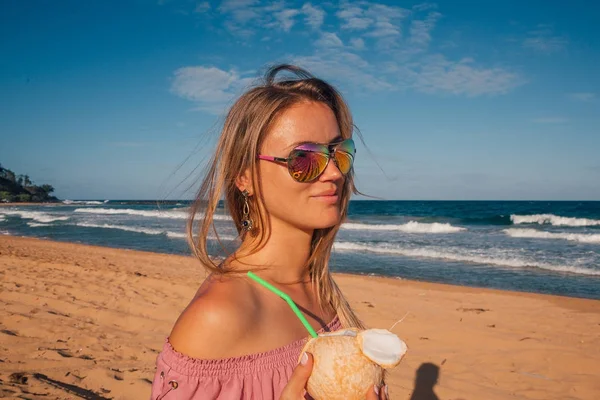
(19, 188)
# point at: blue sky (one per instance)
(455, 99)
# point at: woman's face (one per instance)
(306, 206)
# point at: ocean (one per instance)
(533, 246)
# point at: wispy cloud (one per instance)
(329, 39)
(437, 74)
(202, 7)
(394, 40)
(285, 19)
(210, 87)
(550, 120)
(582, 96)
(542, 40)
(420, 30)
(343, 66)
(313, 16)
(357, 43)
(246, 17)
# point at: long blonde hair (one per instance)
(245, 127)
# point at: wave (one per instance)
(147, 231)
(532, 233)
(171, 214)
(514, 262)
(36, 216)
(553, 220)
(2, 218)
(85, 202)
(410, 227)
(36, 224)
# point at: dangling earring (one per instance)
(246, 221)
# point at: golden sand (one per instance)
(91, 320)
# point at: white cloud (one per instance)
(314, 16)
(394, 63)
(345, 68)
(424, 7)
(202, 7)
(543, 41)
(210, 87)
(354, 18)
(436, 74)
(329, 39)
(357, 43)
(377, 20)
(285, 19)
(550, 120)
(582, 96)
(246, 17)
(420, 30)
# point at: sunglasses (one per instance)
(307, 161)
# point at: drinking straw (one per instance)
(287, 299)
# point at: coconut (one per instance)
(348, 362)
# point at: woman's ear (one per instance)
(244, 182)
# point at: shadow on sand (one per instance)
(425, 380)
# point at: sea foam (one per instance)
(553, 220)
(147, 231)
(535, 234)
(84, 202)
(461, 256)
(171, 214)
(35, 215)
(410, 227)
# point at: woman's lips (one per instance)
(328, 198)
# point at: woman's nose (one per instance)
(331, 173)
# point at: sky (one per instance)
(455, 100)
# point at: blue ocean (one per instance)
(533, 246)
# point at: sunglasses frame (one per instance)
(330, 150)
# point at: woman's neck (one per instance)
(284, 256)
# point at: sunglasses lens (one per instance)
(344, 156)
(307, 162)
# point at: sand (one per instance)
(81, 321)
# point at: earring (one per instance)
(246, 221)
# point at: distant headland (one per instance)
(20, 189)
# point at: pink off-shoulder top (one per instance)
(260, 376)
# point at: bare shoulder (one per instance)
(216, 321)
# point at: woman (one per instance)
(284, 165)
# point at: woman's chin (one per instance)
(327, 221)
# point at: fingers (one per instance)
(294, 389)
(377, 393)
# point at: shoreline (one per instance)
(95, 318)
(398, 278)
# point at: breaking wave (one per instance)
(147, 231)
(410, 227)
(552, 219)
(171, 214)
(35, 215)
(463, 256)
(85, 202)
(535, 234)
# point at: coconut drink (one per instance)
(348, 362)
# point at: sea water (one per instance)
(534, 246)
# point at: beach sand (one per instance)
(81, 321)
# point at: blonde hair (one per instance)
(245, 127)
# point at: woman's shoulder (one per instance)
(216, 321)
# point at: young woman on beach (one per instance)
(283, 163)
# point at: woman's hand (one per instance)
(296, 386)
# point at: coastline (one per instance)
(95, 318)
